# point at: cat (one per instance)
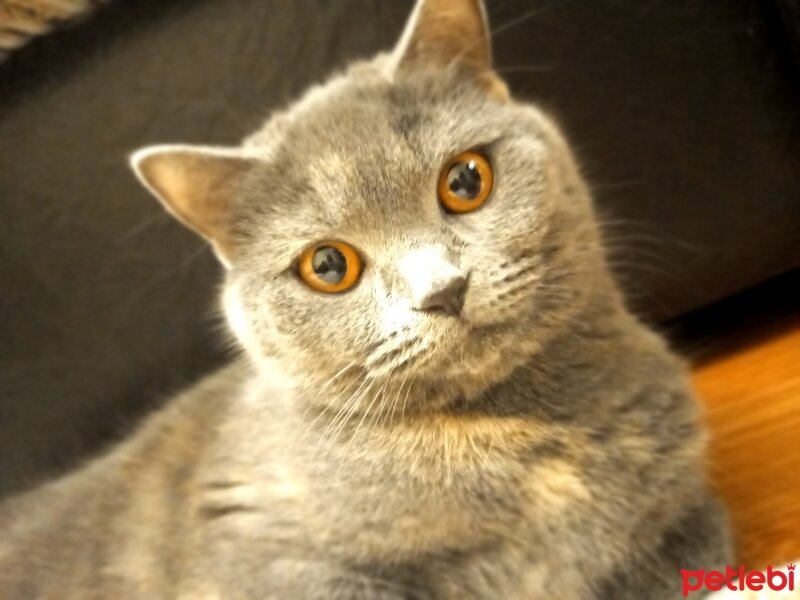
(441, 392)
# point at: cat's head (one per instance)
(405, 232)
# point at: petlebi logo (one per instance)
(739, 580)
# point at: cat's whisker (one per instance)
(609, 239)
(618, 185)
(153, 284)
(379, 398)
(375, 362)
(324, 390)
(352, 405)
(494, 32)
(521, 270)
(240, 119)
(424, 355)
(387, 415)
(517, 287)
(405, 400)
(525, 69)
(340, 415)
(412, 358)
(397, 397)
(328, 441)
(329, 406)
(560, 288)
(370, 348)
(366, 411)
(329, 385)
(381, 407)
(355, 406)
(333, 379)
(619, 245)
(329, 435)
(404, 356)
(142, 226)
(312, 396)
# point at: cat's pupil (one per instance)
(329, 264)
(464, 180)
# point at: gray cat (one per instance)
(442, 394)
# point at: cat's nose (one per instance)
(432, 281)
(444, 294)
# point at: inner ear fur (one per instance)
(441, 33)
(196, 185)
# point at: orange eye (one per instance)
(465, 182)
(330, 267)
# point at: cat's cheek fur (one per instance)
(238, 321)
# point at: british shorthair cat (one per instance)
(441, 393)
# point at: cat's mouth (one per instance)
(427, 363)
(407, 351)
(447, 347)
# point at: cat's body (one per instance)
(526, 439)
(498, 499)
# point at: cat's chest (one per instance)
(442, 483)
(408, 492)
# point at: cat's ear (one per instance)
(196, 184)
(443, 32)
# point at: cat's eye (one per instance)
(330, 267)
(465, 182)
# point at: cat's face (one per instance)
(365, 261)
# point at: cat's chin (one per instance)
(466, 360)
(440, 359)
(488, 359)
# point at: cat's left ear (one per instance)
(197, 185)
(441, 33)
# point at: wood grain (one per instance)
(752, 399)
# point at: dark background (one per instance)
(685, 116)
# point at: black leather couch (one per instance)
(685, 115)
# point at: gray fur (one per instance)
(544, 444)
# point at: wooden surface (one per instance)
(752, 396)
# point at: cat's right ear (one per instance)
(440, 33)
(196, 184)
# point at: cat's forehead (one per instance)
(367, 116)
(364, 152)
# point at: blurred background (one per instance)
(685, 116)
